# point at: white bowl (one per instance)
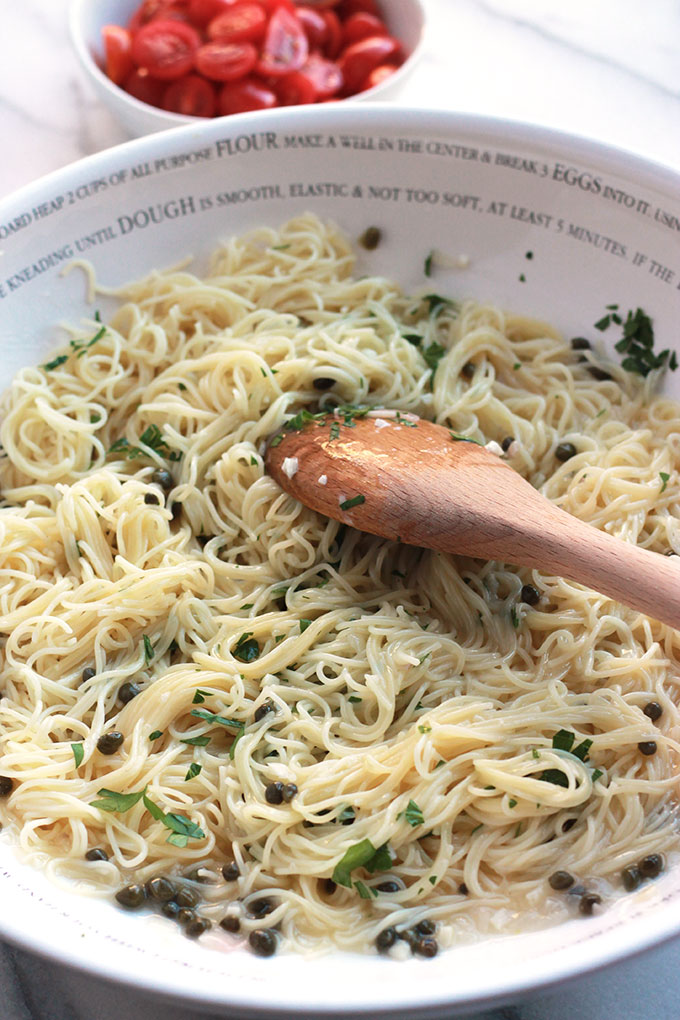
(595, 220)
(405, 19)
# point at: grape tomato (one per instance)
(165, 48)
(205, 58)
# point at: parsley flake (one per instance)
(354, 501)
(78, 753)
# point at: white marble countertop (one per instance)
(605, 69)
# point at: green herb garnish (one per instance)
(247, 648)
(195, 741)
(427, 267)
(156, 734)
(200, 696)
(637, 344)
(412, 814)
(217, 720)
(335, 430)
(148, 649)
(464, 439)
(304, 624)
(78, 753)
(361, 855)
(664, 476)
(193, 771)
(59, 360)
(354, 501)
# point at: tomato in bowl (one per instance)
(159, 63)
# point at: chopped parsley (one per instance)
(148, 650)
(304, 624)
(427, 267)
(195, 741)
(564, 740)
(512, 803)
(78, 753)
(217, 720)
(193, 771)
(464, 439)
(361, 855)
(56, 362)
(354, 501)
(664, 476)
(353, 700)
(413, 338)
(335, 430)
(200, 696)
(436, 304)
(151, 437)
(247, 648)
(514, 616)
(637, 344)
(433, 354)
(365, 891)
(81, 346)
(156, 734)
(424, 728)
(413, 815)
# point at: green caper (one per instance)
(588, 902)
(170, 909)
(260, 907)
(289, 791)
(323, 382)
(426, 946)
(370, 239)
(109, 742)
(426, 927)
(653, 710)
(262, 941)
(565, 451)
(561, 880)
(163, 478)
(530, 595)
(88, 674)
(651, 865)
(273, 793)
(230, 923)
(186, 915)
(579, 343)
(385, 939)
(151, 499)
(187, 897)
(128, 691)
(131, 896)
(96, 855)
(161, 889)
(631, 877)
(196, 927)
(231, 871)
(6, 786)
(647, 747)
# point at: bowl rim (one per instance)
(164, 117)
(615, 945)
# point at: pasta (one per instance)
(205, 681)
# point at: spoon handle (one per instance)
(566, 546)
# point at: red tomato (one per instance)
(324, 74)
(360, 26)
(349, 7)
(117, 60)
(358, 60)
(165, 48)
(192, 96)
(314, 25)
(246, 94)
(145, 87)
(295, 89)
(243, 22)
(285, 46)
(378, 76)
(271, 5)
(226, 61)
(333, 34)
(152, 10)
(203, 11)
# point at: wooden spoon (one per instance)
(416, 482)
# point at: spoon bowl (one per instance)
(410, 480)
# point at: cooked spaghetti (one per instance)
(323, 733)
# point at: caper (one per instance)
(176, 510)
(561, 880)
(653, 710)
(262, 941)
(260, 907)
(6, 786)
(468, 370)
(588, 902)
(370, 239)
(88, 674)
(328, 886)
(651, 865)
(388, 887)
(186, 915)
(128, 691)
(163, 478)
(601, 374)
(507, 443)
(131, 896)
(289, 791)
(151, 499)
(231, 871)
(187, 897)
(579, 343)
(647, 747)
(170, 909)
(426, 927)
(273, 793)
(109, 742)
(631, 877)
(161, 889)
(568, 824)
(230, 923)
(530, 595)
(323, 382)
(385, 939)
(263, 710)
(463, 889)
(426, 946)
(96, 855)
(565, 451)
(196, 927)
(409, 936)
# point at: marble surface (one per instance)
(605, 69)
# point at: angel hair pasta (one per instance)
(220, 705)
